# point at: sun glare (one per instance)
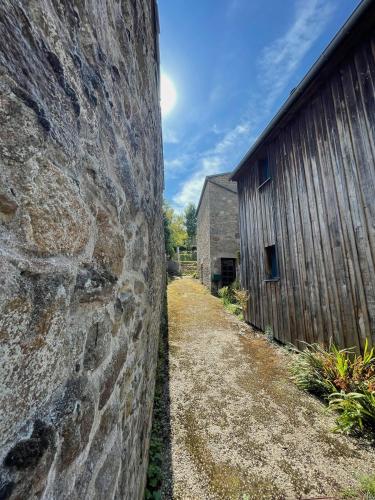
(168, 94)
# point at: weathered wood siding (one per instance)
(319, 211)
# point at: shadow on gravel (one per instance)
(159, 474)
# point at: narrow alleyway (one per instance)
(239, 427)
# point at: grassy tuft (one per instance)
(364, 490)
(368, 486)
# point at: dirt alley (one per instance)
(239, 428)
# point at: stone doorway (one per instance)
(228, 271)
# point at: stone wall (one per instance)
(81, 246)
(203, 239)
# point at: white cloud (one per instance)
(177, 163)
(191, 189)
(170, 136)
(280, 59)
(216, 130)
(277, 63)
(232, 137)
(176, 166)
(213, 161)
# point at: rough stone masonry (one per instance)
(81, 246)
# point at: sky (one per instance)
(227, 66)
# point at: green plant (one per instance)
(226, 294)
(344, 379)
(364, 490)
(342, 362)
(310, 371)
(154, 473)
(190, 214)
(357, 410)
(157, 439)
(174, 229)
(233, 308)
(234, 299)
(364, 369)
(368, 486)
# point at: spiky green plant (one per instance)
(311, 370)
(344, 379)
(357, 410)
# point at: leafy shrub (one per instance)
(157, 440)
(312, 370)
(357, 410)
(344, 379)
(325, 371)
(154, 473)
(242, 298)
(234, 299)
(233, 308)
(226, 294)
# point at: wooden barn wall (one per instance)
(319, 210)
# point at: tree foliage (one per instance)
(191, 220)
(179, 235)
(169, 250)
(174, 230)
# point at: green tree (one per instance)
(174, 230)
(179, 234)
(191, 220)
(169, 250)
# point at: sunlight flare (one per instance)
(168, 94)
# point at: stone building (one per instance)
(217, 232)
(81, 246)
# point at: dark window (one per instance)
(272, 271)
(228, 271)
(264, 170)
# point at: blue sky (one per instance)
(233, 63)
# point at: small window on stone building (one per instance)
(263, 171)
(272, 270)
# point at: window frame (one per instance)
(271, 264)
(263, 167)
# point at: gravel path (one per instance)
(239, 428)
